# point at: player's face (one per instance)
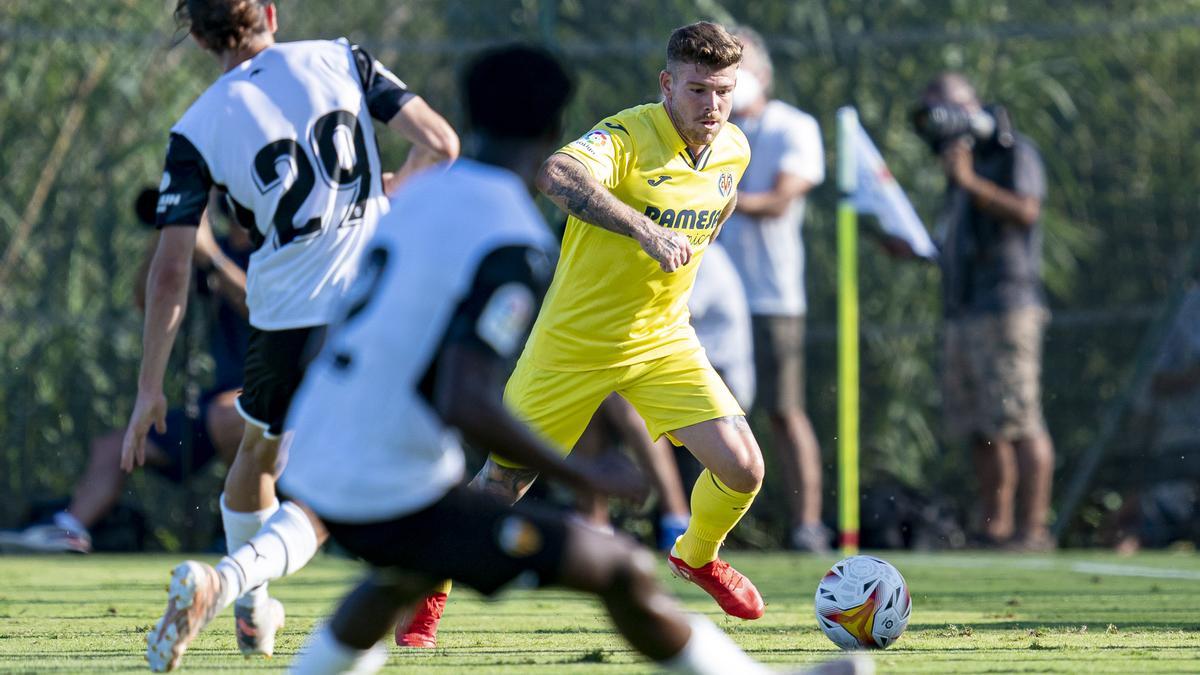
(698, 99)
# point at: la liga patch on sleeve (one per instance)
(506, 317)
(593, 142)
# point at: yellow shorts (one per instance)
(670, 393)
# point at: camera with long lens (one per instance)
(942, 124)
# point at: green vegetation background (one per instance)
(90, 88)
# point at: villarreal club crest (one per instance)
(725, 183)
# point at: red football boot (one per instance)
(729, 587)
(421, 630)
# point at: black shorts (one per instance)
(184, 460)
(467, 536)
(275, 364)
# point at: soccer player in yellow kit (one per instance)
(646, 191)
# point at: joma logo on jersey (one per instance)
(725, 183)
(686, 219)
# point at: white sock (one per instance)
(709, 651)
(240, 526)
(323, 654)
(284, 544)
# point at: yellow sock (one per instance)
(443, 587)
(716, 509)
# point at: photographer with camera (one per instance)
(994, 305)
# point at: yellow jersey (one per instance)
(610, 304)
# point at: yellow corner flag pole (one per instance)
(848, 380)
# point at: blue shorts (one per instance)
(183, 461)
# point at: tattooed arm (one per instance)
(567, 183)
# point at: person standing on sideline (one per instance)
(763, 239)
(994, 304)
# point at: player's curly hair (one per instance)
(704, 43)
(223, 25)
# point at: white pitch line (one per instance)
(1052, 563)
(1116, 570)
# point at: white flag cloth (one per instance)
(879, 194)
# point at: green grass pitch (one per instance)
(973, 613)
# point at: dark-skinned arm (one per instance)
(468, 396)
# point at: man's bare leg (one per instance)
(722, 494)
(996, 473)
(800, 463)
(100, 486)
(418, 626)
(250, 483)
(247, 505)
(225, 426)
(592, 443)
(607, 566)
(727, 448)
(198, 592)
(656, 456)
(1035, 464)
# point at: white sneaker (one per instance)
(256, 627)
(45, 538)
(812, 538)
(191, 605)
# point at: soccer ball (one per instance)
(863, 603)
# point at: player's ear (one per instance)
(664, 82)
(271, 17)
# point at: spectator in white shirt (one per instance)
(763, 239)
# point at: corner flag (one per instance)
(878, 193)
(868, 187)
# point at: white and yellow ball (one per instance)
(863, 603)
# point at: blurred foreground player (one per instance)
(286, 132)
(646, 190)
(439, 311)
